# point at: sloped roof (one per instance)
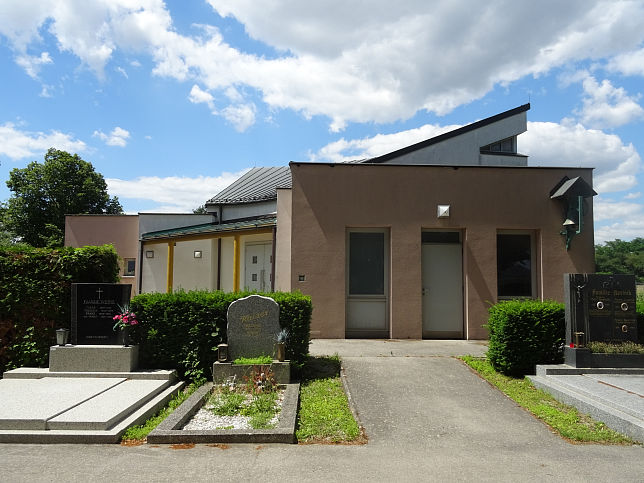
(442, 137)
(211, 228)
(259, 184)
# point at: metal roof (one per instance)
(259, 184)
(211, 228)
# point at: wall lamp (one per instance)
(572, 193)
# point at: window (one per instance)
(514, 265)
(366, 263)
(505, 146)
(129, 264)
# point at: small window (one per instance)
(514, 265)
(129, 265)
(505, 146)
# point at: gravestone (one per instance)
(600, 306)
(93, 307)
(253, 323)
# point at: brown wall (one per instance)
(122, 231)
(328, 199)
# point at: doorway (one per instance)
(257, 267)
(367, 283)
(442, 290)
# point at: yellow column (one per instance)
(170, 267)
(236, 252)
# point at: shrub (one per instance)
(525, 333)
(181, 330)
(35, 296)
(640, 317)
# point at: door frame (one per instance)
(444, 334)
(270, 262)
(357, 333)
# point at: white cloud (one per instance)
(31, 64)
(174, 193)
(551, 144)
(611, 210)
(241, 116)
(197, 96)
(623, 229)
(632, 196)
(384, 67)
(118, 137)
(628, 63)
(122, 71)
(607, 106)
(18, 144)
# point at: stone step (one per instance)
(40, 372)
(106, 409)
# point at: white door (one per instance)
(257, 271)
(442, 290)
(367, 283)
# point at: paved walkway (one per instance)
(427, 416)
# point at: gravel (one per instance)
(205, 419)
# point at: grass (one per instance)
(140, 432)
(565, 420)
(622, 348)
(260, 408)
(253, 361)
(324, 415)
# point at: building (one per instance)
(413, 244)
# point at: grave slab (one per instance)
(93, 358)
(30, 403)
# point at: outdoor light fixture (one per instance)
(222, 352)
(149, 254)
(571, 193)
(197, 254)
(442, 211)
(62, 336)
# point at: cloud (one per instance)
(31, 64)
(18, 144)
(122, 71)
(173, 194)
(607, 106)
(628, 63)
(241, 116)
(198, 96)
(386, 67)
(118, 137)
(553, 144)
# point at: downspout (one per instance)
(273, 259)
(140, 274)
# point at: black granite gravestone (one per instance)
(602, 307)
(93, 307)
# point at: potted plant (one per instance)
(124, 321)
(281, 338)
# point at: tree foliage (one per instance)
(44, 193)
(619, 256)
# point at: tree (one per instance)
(621, 257)
(44, 193)
(200, 210)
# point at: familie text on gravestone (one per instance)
(94, 306)
(253, 323)
(602, 307)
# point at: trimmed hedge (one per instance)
(524, 333)
(35, 296)
(640, 317)
(181, 330)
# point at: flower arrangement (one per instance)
(125, 318)
(282, 336)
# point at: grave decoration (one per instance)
(94, 306)
(599, 308)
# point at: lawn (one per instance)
(563, 419)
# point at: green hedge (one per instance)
(640, 317)
(524, 334)
(35, 296)
(182, 330)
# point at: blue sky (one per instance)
(171, 101)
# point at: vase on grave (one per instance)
(281, 351)
(124, 336)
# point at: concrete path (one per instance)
(427, 416)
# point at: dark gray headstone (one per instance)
(600, 306)
(93, 307)
(253, 323)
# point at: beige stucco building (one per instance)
(416, 243)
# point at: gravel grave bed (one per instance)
(205, 419)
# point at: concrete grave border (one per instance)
(169, 431)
